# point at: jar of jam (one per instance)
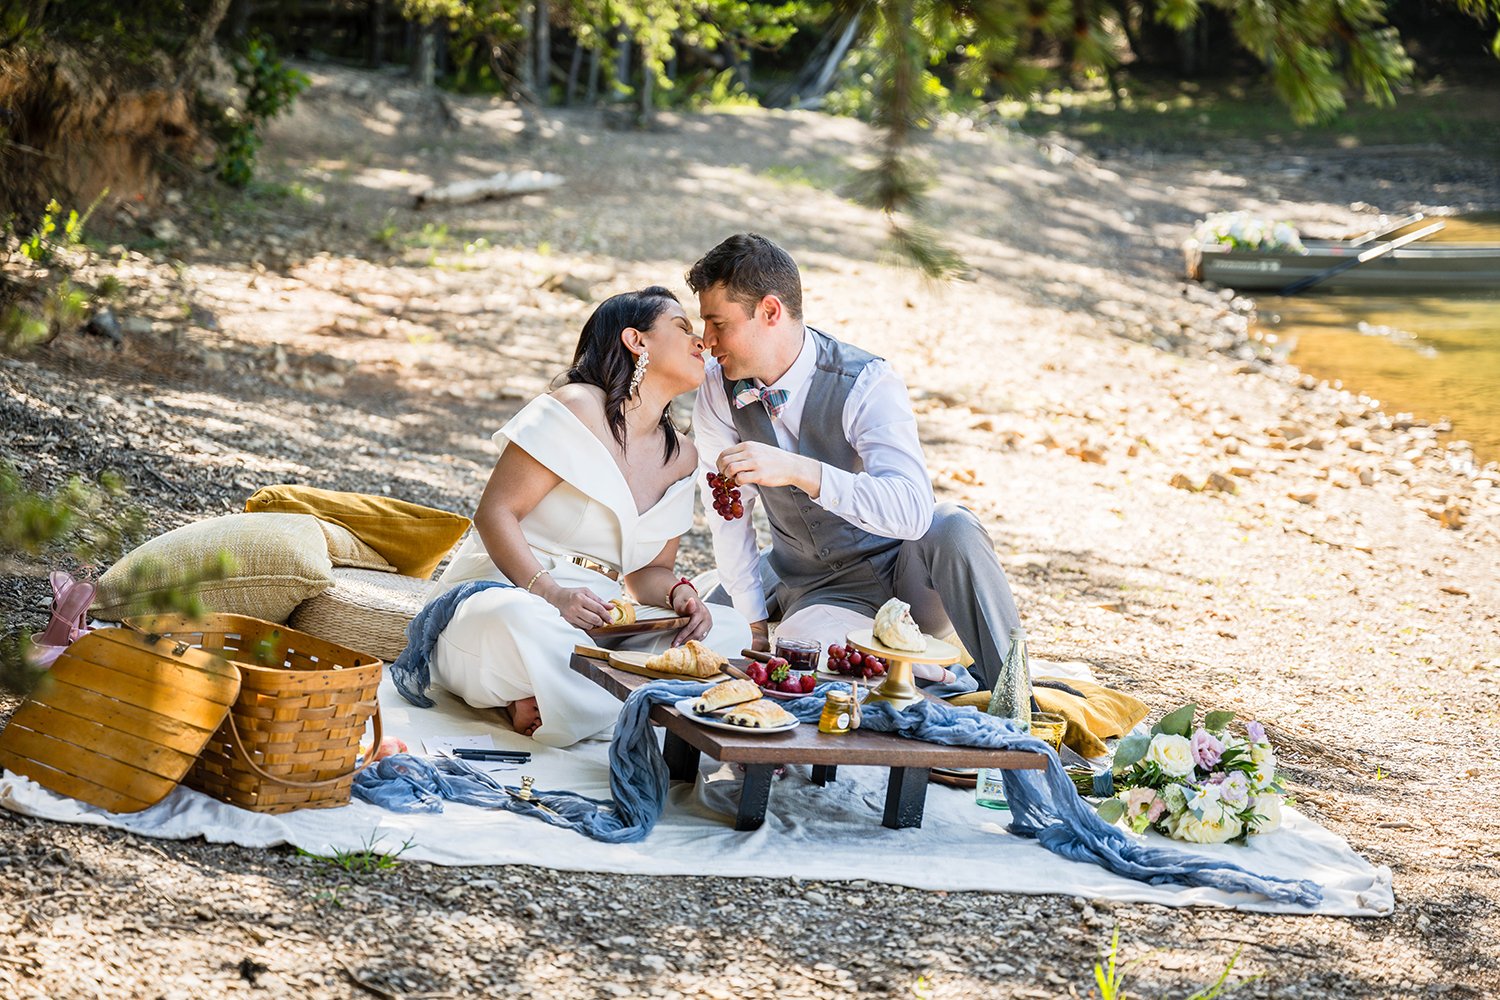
(801, 654)
(836, 713)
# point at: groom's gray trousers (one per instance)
(950, 576)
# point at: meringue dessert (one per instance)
(896, 629)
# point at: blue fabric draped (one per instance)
(412, 671)
(1043, 805)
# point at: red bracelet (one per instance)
(679, 583)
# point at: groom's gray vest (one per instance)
(812, 549)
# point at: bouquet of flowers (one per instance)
(1243, 231)
(1204, 784)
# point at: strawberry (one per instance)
(780, 670)
(758, 673)
(808, 683)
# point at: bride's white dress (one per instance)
(504, 644)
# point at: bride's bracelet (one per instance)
(680, 583)
(534, 577)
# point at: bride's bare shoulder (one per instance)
(686, 459)
(586, 401)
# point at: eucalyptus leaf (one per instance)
(1217, 722)
(1178, 723)
(1110, 810)
(1130, 751)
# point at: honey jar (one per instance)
(836, 713)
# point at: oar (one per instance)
(1376, 234)
(1368, 255)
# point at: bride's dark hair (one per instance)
(603, 360)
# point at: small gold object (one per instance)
(525, 793)
(837, 715)
(1049, 727)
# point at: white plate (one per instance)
(685, 709)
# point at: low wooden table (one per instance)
(909, 760)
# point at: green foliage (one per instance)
(92, 522)
(1109, 975)
(270, 87)
(1178, 722)
(1109, 978)
(363, 861)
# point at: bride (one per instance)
(592, 490)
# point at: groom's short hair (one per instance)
(750, 267)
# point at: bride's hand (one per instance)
(580, 607)
(699, 620)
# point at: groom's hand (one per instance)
(765, 465)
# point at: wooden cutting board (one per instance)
(635, 663)
(119, 719)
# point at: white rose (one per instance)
(1267, 813)
(1173, 754)
(1206, 831)
(1264, 759)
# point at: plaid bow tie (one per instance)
(747, 392)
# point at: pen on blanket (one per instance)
(480, 753)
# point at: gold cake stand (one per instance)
(898, 688)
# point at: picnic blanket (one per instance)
(811, 831)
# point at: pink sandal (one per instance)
(70, 607)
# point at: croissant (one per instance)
(735, 692)
(621, 612)
(762, 714)
(691, 659)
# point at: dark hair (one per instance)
(750, 267)
(602, 359)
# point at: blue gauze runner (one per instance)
(1045, 806)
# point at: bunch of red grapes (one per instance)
(726, 497)
(850, 662)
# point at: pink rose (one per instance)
(1207, 749)
(1157, 807)
(1140, 801)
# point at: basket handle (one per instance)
(239, 747)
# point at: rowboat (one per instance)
(1436, 267)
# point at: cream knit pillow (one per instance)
(280, 560)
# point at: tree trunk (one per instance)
(424, 59)
(591, 95)
(543, 49)
(196, 53)
(648, 94)
(575, 65)
(525, 59)
(622, 59)
(825, 75)
(376, 51)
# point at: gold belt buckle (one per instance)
(587, 563)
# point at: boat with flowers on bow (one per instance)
(1246, 254)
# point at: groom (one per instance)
(822, 433)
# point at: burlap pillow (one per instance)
(280, 560)
(346, 549)
(409, 536)
(365, 611)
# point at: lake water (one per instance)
(1434, 356)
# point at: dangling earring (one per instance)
(641, 361)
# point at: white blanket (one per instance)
(811, 832)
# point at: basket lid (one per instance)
(119, 719)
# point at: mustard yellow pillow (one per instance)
(279, 561)
(412, 538)
(346, 549)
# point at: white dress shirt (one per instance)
(892, 497)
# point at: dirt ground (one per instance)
(1336, 580)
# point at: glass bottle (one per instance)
(1010, 700)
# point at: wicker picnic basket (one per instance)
(291, 739)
